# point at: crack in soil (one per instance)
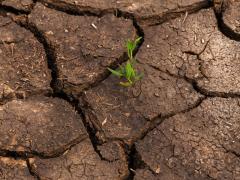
(175, 13)
(57, 85)
(31, 153)
(136, 162)
(224, 29)
(146, 20)
(14, 156)
(13, 10)
(199, 89)
(72, 10)
(160, 119)
(134, 158)
(31, 171)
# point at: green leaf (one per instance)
(126, 84)
(116, 73)
(133, 73)
(128, 70)
(130, 47)
(122, 70)
(137, 41)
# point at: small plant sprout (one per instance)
(128, 72)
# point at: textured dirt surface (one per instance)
(84, 46)
(145, 11)
(14, 169)
(21, 5)
(40, 125)
(200, 144)
(120, 113)
(23, 62)
(64, 116)
(82, 162)
(231, 17)
(198, 51)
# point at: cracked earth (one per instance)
(63, 116)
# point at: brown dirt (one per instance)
(200, 144)
(81, 162)
(63, 116)
(120, 113)
(24, 70)
(20, 5)
(14, 169)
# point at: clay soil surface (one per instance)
(63, 116)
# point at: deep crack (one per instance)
(175, 13)
(149, 20)
(57, 85)
(226, 30)
(10, 9)
(135, 162)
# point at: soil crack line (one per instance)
(224, 28)
(160, 119)
(13, 10)
(149, 20)
(198, 88)
(136, 162)
(56, 83)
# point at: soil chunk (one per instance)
(14, 169)
(23, 63)
(122, 113)
(22, 5)
(84, 46)
(41, 126)
(147, 11)
(231, 18)
(203, 143)
(194, 48)
(80, 162)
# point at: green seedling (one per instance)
(128, 72)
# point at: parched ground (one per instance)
(63, 116)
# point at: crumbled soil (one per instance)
(64, 116)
